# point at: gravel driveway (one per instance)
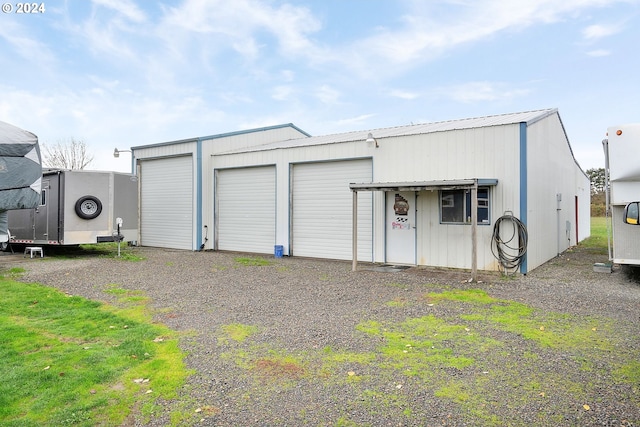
(318, 350)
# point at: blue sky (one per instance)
(122, 73)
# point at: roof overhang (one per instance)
(447, 184)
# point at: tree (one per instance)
(70, 154)
(597, 178)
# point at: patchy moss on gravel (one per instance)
(236, 332)
(252, 261)
(492, 359)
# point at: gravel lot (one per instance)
(308, 362)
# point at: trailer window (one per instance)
(632, 213)
(43, 197)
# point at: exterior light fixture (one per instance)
(116, 152)
(371, 139)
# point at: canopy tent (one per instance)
(20, 172)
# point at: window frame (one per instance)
(447, 199)
(632, 213)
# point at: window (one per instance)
(455, 206)
(43, 196)
(632, 213)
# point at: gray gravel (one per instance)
(307, 309)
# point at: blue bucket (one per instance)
(278, 250)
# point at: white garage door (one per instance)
(322, 210)
(166, 203)
(246, 209)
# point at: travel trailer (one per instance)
(622, 179)
(79, 207)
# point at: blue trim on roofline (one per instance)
(222, 135)
(523, 185)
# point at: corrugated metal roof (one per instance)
(221, 135)
(528, 117)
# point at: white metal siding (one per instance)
(166, 203)
(247, 209)
(322, 210)
(552, 184)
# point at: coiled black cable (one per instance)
(508, 252)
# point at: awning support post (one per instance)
(474, 231)
(354, 238)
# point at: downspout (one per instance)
(199, 193)
(523, 185)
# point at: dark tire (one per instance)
(88, 207)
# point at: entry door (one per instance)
(401, 227)
(41, 215)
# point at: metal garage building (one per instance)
(175, 181)
(412, 185)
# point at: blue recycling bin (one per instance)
(278, 251)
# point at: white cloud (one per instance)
(481, 91)
(125, 8)
(287, 75)
(26, 45)
(239, 23)
(403, 94)
(111, 37)
(327, 94)
(432, 28)
(355, 121)
(281, 93)
(599, 52)
(594, 32)
(92, 116)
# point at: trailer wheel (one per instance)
(88, 207)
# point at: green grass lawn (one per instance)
(66, 360)
(598, 239)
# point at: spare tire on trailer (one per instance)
(88, 207)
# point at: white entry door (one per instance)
(401, 227)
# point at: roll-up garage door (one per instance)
(322, 210)
(246, 209)
(166, 203)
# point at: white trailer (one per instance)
(622, 182)
(79, 207)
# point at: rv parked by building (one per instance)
(79, 207)
(622, 172)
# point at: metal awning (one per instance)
(445, 184)
(453, 184)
